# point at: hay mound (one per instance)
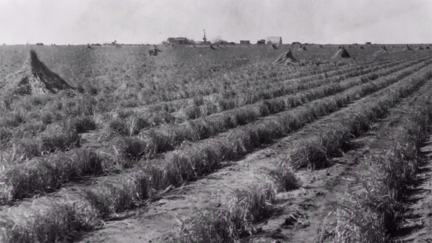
(155, 51)
(286, 58)
(33, 78)
(381, 51)
(408, 48)
(302, 48)
(342, 53)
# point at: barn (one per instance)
(178, 40)
(261, 42)
(274, 40)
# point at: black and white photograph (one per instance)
(215, 121)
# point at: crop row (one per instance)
(194, 89)
(30, 147)
(168, 137)
(265, 84)
(203, 108)
(39, 120)
(356, 223)
(250, 76)
(371, 213)
(237, 98)
(312, 74)
(129, 190)
(24, 180)
(330, 136)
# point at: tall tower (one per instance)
(205, 38)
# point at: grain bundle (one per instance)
(342, 53)
(33, 78)
(286, 58)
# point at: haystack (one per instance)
(419, 48)
(302, 48)
(155, 51)
(381, 51)
(342, 53)
(427, 47)
(408, 48)
(33, 78)
(286, 58)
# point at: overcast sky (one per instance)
(151, 21)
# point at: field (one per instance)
(197, 145)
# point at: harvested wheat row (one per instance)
(390, 169)
(130, 190)
(25, 177)
(194, 229)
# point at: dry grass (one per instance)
(391, 168)
(231, 220)
(48, 174)
(32, 126)
(315, 150)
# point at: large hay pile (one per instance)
(302, 48)
(341, 53)
(286, 58)
(381, 51)
(33, 78)
(408, 48)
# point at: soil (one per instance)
(417, 221)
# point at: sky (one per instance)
(152, 21)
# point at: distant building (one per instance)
(368, 43)
(274, 40)
(245, 42)
(261, 42)
(179, 40)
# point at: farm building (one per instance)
(274, 40)
(179, 40)
(261, 42)
(244, 42)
